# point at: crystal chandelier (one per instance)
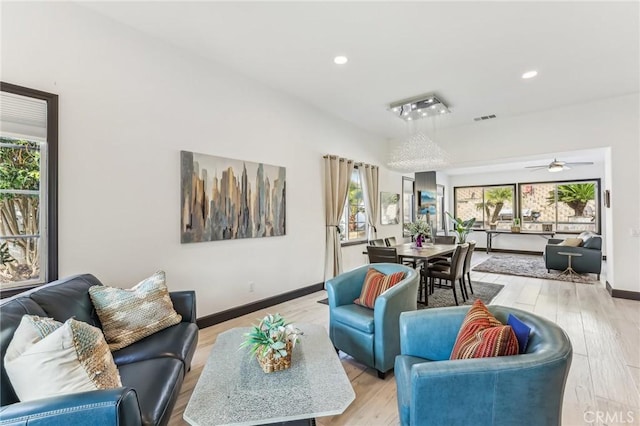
(417, 151)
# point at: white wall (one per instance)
(612, 122)
(128, 105)
(527, 242)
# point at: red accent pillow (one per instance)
(482, 335)
(376, 283)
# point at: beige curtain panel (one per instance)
(369, 179)
(337, 175)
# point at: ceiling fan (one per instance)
(558, 166)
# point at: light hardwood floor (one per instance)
(603, 387)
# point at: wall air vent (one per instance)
(485, 117)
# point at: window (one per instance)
(567, 207)
(28, 180)
(492, 206)
(353, 225)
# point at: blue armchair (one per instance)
(496, 391)
(370, 335)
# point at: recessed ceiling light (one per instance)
(340, 60)
(529, 74)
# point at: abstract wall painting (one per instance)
(389, 208)
(225, 199)
(427, 203)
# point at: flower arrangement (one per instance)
(418, 228)
(272, 341)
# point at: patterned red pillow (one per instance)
(482, 335)
(375, 283)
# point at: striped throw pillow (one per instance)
(483, 336)
(131, 315)
(376, 283)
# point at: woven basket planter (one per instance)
(269, 364)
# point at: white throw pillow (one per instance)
(571, 242)
(47, 358)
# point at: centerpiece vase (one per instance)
(269, 363)
(419, 241)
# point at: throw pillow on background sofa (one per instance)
(571, 242)
(129, 315)
(48, 358)
(482, 335)
(376, 283)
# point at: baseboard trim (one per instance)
(622, 294)
(494, 250)
(238, 311)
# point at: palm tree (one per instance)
(575, 195)
(494, 199)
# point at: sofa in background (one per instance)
(152, 370)
(370, 335)
(590, 260)
(500, 391)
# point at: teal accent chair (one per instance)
(370, 335)
(500, 391)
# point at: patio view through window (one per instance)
(565, 206)
(22, 250)
(490, 205)
(568, 206)
(353, 225)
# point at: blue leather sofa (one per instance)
(151, 370)
(501, 391)
(589, 261)
(370, 335)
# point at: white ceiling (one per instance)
(470, 53)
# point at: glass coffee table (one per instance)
(233, 389)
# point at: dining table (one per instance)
(426, 252)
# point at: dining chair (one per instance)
(390, 241)
(382, 254)
(445, 239)
(451, 273)
(466, 272)
(377, 243)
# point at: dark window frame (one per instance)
(597, 194)
(516, 199)
(51, 273)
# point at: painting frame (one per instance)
(225, 198)
(389, 208)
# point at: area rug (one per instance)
(443, 297)
(528, 266)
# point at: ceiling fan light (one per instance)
(554, 168)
